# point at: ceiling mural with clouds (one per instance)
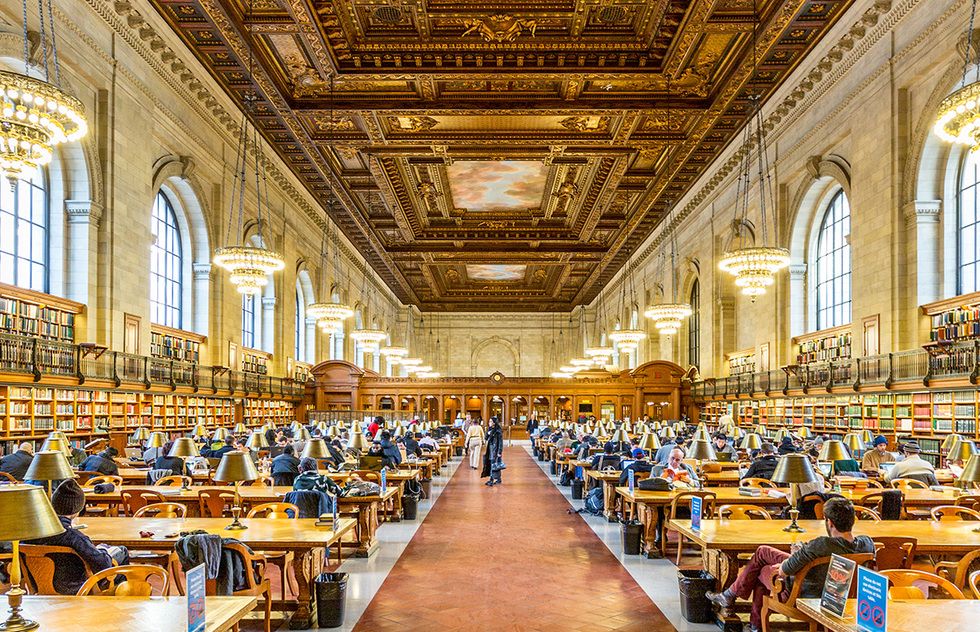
(506, 185)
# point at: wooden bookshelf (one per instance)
(255, 361)
(954, 319)
(302, 372)
(259, 411)
(175, 344)
(741, 362)
(824, 346)
(30, 313)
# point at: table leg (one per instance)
(609, 501)
(367, 522)
(306, 566)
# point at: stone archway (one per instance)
(495, 354)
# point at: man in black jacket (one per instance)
(16, 463)
(229, 446)
(764, 464)
(390, 454)
(641, 464)
(285, 467)
(102, 463)
(411, 445)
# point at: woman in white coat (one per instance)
(475, 438)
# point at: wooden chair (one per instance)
(162, 510)
(262, 481)
(894, 552)
(758, 483)
(174, 481)
(905, 484)
(959, 571)
(975, 583)
(683, 499)
(215, 503)
(137, 582)
(866, 513)
(970, 501)
(708, 468)
(257, 585)
(772, 603)
(8, 477)
(902, 584)
(133, 499)
(953, 513)
(98, 480)
(744, 512)
(283, 560)
(39, 562)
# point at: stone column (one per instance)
(923, 278)
(81, 262)
(798, 299)
(200, 295)
(312, 335)
(268, 323)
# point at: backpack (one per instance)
(594, 501)
(566, 478)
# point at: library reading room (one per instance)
(489, 315)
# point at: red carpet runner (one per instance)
(508, 558)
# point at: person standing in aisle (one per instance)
(493, 457)
(475, 437)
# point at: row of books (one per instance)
(824, 349)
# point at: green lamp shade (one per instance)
(794, 468)
(26, 513)
(49, 465)
(236, 467)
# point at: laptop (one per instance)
(885, 468)
(724, 457)
(134, 454)
(371, 463)
(826, 468)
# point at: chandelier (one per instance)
(667, 317)
(394, 355)
(628, 339)
(561, 375)
(36, 114)
(249, 267)
(568, 369)
(370, 339)
(581, 363)
(422, 368)
(408, 363)
(754, 268)
(427, 375)
(329, 317)
(958, 120)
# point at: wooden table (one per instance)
(395, 478)
(724, 478)
(307, 541)
(608, 481)
(426, 466)
(911, 615)
(368, 507)
(137, 475)
(97, 614)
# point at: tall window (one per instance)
(299, 340)
(968, 229)
(834, 265)
(166, 265)
(694, 326)
(24, 233)
(248, 321)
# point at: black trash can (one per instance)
(695, 606)
(632, 537)
(459, 450)
(427, 488)
(554, 468)
(577, 486)
(542, 454)
(330, 590)
(410, 507)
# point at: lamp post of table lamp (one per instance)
(25, 514)
(49, 465)
(184, 447)
(236, 467)
(834, 450)
(794, 468)
(971, 471)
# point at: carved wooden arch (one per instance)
(486, 342)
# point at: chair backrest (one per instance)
(893, 552)
(743, 512)
(906, 484)
(99, 480)
(860, 559)
(7, 476)
(262, 481)
(906, 583)
(709, 467)
(866, 513)
(133, 499)
(213, 502)
(40, 562)
(953, 513)
(975, 584)
(137, 581)
(371, 477)
(969, 500)
(174, 481)
(274, 510)
(251, 560)
(162, 510)
(760, 483)
(962, 569)
(683, 499)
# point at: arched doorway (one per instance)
(408, 403)
(430, 407)
(474, 407)
(541, 407)
(451, 406)
(497, 409)
(519, 409)
(386, 402)
(563, 408)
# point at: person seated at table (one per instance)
(270, 435)
(285, 467)
(877, 455)
(411, 445)
(663, 454)
(17, 462)
(585, 446)
(606, 459)
(391, 456)
(229, 446)
(103, 463)
(913, 466)
(163, 462)
(69, 572)
(641, 464)
(676, 471)
(767, 563)
(150, 455)
(374, 426)
(722, 446)
(427, 443)
(787, 446)
(564, 442)
(764, 464)
(310, 478)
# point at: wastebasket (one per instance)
(695, 606)
(427, 488)
(554, 468)
(331, 593)
(632, 537)
(459, 450)
(542, 454)
(410, 507)
(577, 486)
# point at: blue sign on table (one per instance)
(696, 513)
(196, 584)
(384, 481)
(336, 509)
(578, 472)
(872, 601)
(631, 477)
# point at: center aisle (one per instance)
(508, 558)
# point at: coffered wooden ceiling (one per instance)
(499, 155)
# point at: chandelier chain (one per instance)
(44, 40)
(54, 47)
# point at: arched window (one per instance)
(833, 273)
(968, 228)
(24, 232)
(694, 326)
(248, 321)
(166, 266)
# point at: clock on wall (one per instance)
(497, 377)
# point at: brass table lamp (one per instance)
(701, 434)
(751, 441)
(794, 468)
(761, 430)
(668, 433)
(140, 435)
(650, 442)
(962, 451)
(853, 443)
(833, 450)
(357, 440)
(220, 434)
(49, 465)
(257, 441)
(333, 431)
(949, 442)
(157, 440)
(701, 450)
(236, 467)
(57, 444)
(316, 449)
(866, 436)
(25, 514)
(240, 429)
(971, 475)
(301, 435)
(200, 430)
(620, 436)
(184, 447)
(804, 432)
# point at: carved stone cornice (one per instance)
(923, 211)
(84, 212)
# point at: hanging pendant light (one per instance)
(36, 114)
(628, 339)
(668, 317)
(394, 354)
(370, 339)
(958, 120)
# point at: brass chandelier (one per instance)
(668, 317)
(329, 315)
(958, 120)
(628, 338)
(36, 114)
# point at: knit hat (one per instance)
(68, 499)
(879, 440)
(306, 464)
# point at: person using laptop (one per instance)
(913, 466)
(877, 455)
(722, 447)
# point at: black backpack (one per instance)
(594, 501)
(566, 478)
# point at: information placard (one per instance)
(384, 481)
(196, 585)
(840, 573)
(872, 601)
(696, 513)
(631, 477)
